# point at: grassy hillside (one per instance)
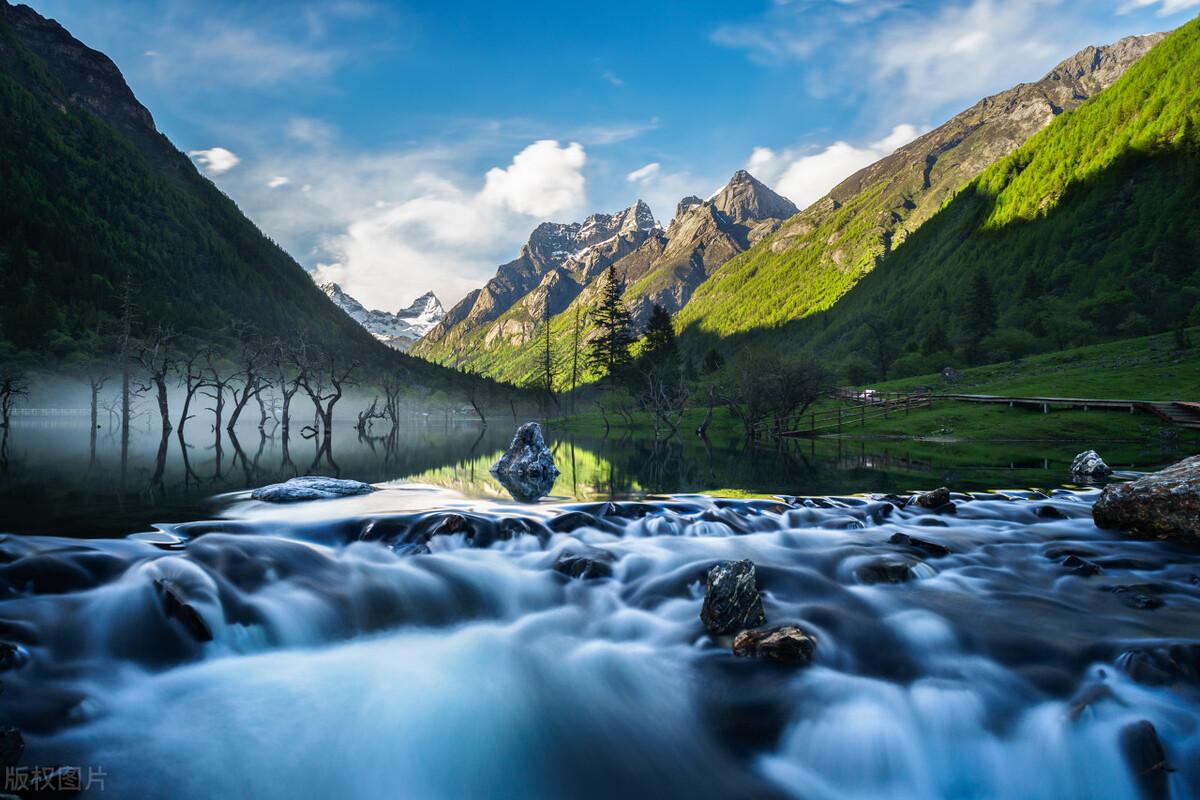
(808, 264)
(1090, 231)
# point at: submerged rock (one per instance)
(310, 487)
(178, 608)
(787, 644)
(589, 564)
(1161, 505)
(12, 746)
(1160, 666)
(527, 470)
(1146, 759)
(935, 499)
(1081, 566)
(731, 599)
(1089, 464)
(931, 549)
(883, 572)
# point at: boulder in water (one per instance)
(786, 644)
(1146, 759)
(935, 499)
(12, 746)
(930, 549)
(527, 470)
(310, 487)
(1161, 505)
(731, 599)
(175, 606)
(1089, 464)
(589, 564)
(883, 572)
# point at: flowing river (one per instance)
(418, 642)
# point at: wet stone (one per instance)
(785, 644)
(178, 608)
(731, 599)
(1081, 567)
(938, 498)
(587, 565)
(883, 572)
(1141, 596)
(1161, 505)
(1164, 665)
(1146, 759)
(310, 487)
(931, 549)
(12, 747)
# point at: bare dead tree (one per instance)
(575, 357)
(250, 378)
(369, 413)
(126, 342)
(216, 385)
(154, 357)
(325, 383)
(665, 396)
(392, 393)
(13, 386)
(191, 378)
(288, 370)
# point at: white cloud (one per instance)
(390, 226)
(644, 174)
(543, 179)
(215, 160)
(1168, 6)
(277, 181)
(216, 54)
(805, 178)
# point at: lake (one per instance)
(167, 635)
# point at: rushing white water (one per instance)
(342, 663)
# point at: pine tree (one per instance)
(660, 334)
(979, 314)
(609, 350)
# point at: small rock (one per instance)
(451, 524)
(951, 374)
(787, 644)
(1081, 567)
(1161, 505)
(12, 746)
(12, 656)
(1160, 666)
(1144, 754)
(932, 549)
(935, 499)
(1049, 512)
(731, 599)
(310, 487)
(883, 572)
(593, 564)
(1142, 596)
(1089, 464)
(175, 606)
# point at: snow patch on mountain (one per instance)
(398, 330)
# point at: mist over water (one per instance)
(324, 656)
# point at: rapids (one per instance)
(415, 643)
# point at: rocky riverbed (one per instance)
(411, 642)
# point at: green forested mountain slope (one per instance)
(815, 257)
(1091, 230)
(91, 192)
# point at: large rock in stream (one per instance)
(310, 487)
(527, 470)
(731, 599)
(786, 644)
(1089, 464)
(1161, 505)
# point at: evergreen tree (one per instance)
(609, 350)
(713, 361)
(979, 314)
(660, 334)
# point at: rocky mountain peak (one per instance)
(747, 199)
(688, 202)
(397, 330)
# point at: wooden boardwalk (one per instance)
(869, 405)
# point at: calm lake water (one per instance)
(54, 479)
(167, 636)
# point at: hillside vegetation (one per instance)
(1089, 231)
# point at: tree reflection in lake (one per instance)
(62, 476)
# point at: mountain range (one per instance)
(397, 330)
(745, 266)
(489, 329)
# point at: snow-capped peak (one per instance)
(397, 330)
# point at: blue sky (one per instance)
(398, 147)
